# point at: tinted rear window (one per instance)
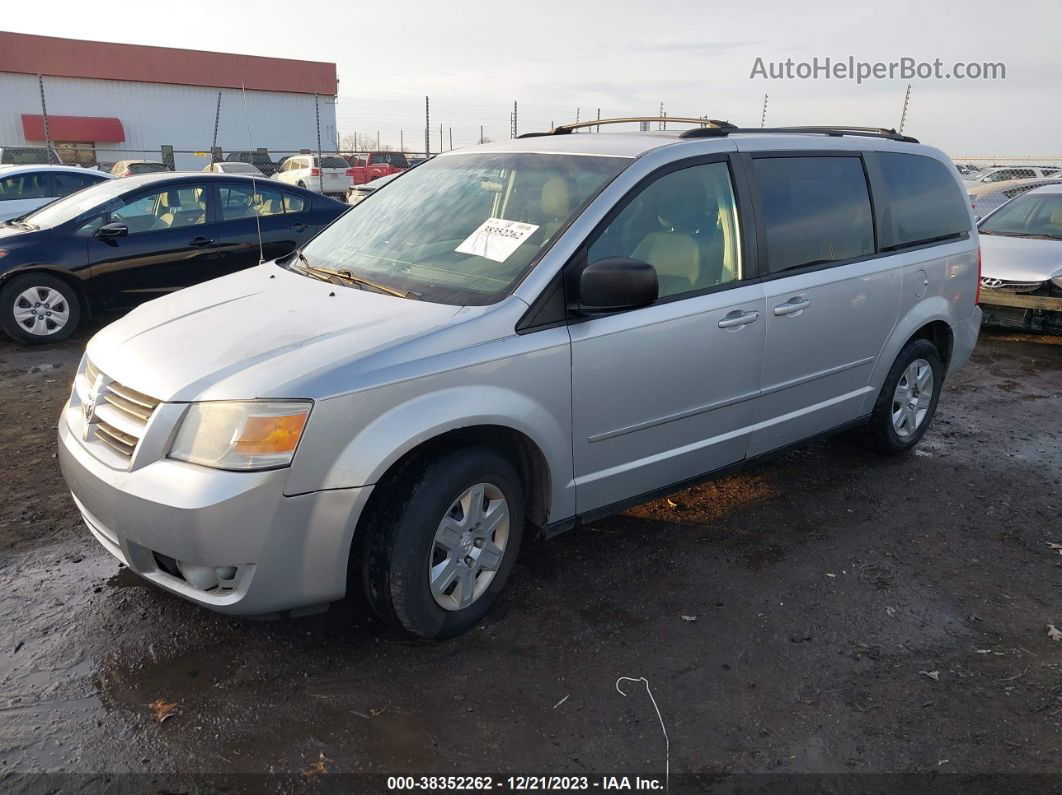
(28, 156)
(816, 210)
(924, 202)
(396, 159)
(334, 162)
(146, 168)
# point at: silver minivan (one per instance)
(513, 339)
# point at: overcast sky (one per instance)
(475, 58)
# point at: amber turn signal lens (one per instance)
(266, 435)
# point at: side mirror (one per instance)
(112, 231)
(616, 284)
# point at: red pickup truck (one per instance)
(374, 165)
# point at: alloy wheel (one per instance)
(469, 546)
(912, 398)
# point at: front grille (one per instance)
(120, 414)
(990, 283)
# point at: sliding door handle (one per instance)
(738, 318)
(792, 306)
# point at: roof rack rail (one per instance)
(870, 132)
(565, 129)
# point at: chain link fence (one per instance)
(992, 181)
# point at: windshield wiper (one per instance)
(347, 276)
(15, 222)
(1036, 235)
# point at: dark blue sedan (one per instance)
(122, 242)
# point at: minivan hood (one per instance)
(1020, 259)
(255, 333)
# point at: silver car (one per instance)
(1021, 270)
(508, 341)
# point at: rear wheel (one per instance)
(37, 308)
(442, 541)
(908, 399)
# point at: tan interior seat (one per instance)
(555, 205)
(672, 250)
(269, 207)
(175, 215)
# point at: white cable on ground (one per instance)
(659, 717)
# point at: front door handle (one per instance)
(299, 227)
(200, 242)
(792, 306)
(738, 318)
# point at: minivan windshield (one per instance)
(1031, 215)
(462, 229)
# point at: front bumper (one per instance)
(288, 552)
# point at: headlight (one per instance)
(241, 435)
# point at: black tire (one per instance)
(12, 299)
(400, 540)
(880, 434)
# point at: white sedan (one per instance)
(235, 167)
(25, 188)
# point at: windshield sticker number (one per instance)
(497, 239)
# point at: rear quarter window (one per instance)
(924, 203)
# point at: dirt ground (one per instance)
(827, 612)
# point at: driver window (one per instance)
(685, 225)
(167, 209)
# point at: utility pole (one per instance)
(598, 128)
(320, 157)
(906, 102)
(481, 133)
(577, 115)
(427, 129)
(451, 139)
(516, 126)
(660, 124)
(44, 117)
(217, 121)
(402, 140)
(763, 116)
(440, 138)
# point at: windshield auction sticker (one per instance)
(497, 239)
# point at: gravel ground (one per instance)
(827, 612)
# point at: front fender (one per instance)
(530, 394)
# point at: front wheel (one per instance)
(37, 308)
(442, 541)
(908, 399)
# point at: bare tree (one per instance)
(361, 142)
